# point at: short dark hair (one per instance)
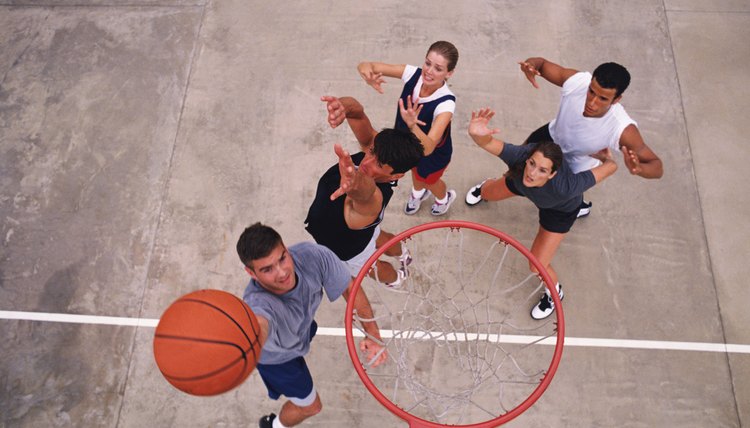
(401, 150)
(612, 75)
(256, 242)
(447, 50)
(548, 149)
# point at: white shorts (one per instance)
(355, 263)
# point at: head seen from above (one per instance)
(392, 154)
(266, 258)
(608, 83)
(439, 63)
(541, 165)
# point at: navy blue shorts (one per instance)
(550, 220)
(291, 379)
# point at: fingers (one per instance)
(631, 160)
(335, 195)
(410, 112)
(374, 79)
(345, 160)
(336, 111)
(485, 113)
(371, 349)
(530, 72)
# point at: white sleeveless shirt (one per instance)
(579, 136)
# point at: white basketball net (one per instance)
(462, 347)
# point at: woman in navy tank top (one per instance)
(426, 108)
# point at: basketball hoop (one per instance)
(462, 348)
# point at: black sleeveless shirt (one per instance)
(325, 219)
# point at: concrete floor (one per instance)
(138, 138)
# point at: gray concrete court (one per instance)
(138, 139)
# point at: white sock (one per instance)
(442, 201)
(277, 423)
(417, 194)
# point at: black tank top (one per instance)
(325, 219)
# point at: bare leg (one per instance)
(386, 272)
(416, 184)
(292, 414)
(438, 189)
(393, 251)
(544, 248)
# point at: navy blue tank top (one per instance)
(441, 156)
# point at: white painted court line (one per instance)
(330, 331)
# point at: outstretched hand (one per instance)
(347, 171)
(373, 79)
(410, 113)
(336, 110)
(374, 351)
(531, 72)
(631, 160)
(478, 126)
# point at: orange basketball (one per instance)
(207, 342)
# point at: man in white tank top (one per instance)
(590, 119)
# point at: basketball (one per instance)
(207, 342)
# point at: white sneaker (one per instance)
(474, 195)
(584, 209)
(440, 209)
(401, 276)
(413, 204)
(546, 305)
(405, 259)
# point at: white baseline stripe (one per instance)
(330, 331)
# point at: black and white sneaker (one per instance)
(546, 305)
(584, 209)
(267, 421)
(474, 195)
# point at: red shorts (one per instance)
(432, 178)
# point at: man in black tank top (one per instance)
(352, 195)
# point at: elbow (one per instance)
(655, 171)
(659, 171)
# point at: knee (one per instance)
(313, 409)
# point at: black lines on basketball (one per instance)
(207, 342)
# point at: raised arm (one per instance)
(363, 198)
(482, 134)
(553, 73)
(639, 158)
(410, 113)
(372, 73)
(349, 109)
(372, 343)
(608, 166)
